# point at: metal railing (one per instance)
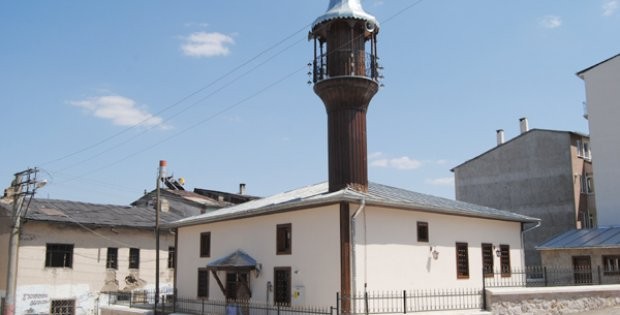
(371, 66)
(236, 307)
(539, 276)
(412, 301)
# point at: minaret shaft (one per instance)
(346, 80)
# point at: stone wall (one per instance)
(551, 300)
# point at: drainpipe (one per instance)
(523, 241)
(353, 256)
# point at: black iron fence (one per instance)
(204, 307)
(374, 302)
(411, 301)
(538, 276)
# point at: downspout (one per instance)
(353, 256)
(523, 241)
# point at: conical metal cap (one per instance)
(345, 9)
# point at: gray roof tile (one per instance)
(379, 195)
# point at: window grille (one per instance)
(462, 261)
(62, 307)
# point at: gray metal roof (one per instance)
(377, 195)
(345, 9)
(237, 260)
(52, 210)
(601, 237)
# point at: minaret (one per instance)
(346, 78)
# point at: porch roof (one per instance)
(601, 237)
(237, 260)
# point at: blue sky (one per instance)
(96, 93)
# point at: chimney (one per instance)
(500, 136)
(242, 189)
(523, 124)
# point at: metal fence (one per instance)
(204, 307)
(411, 301)
(538, 276)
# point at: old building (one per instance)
(69, 252)
(603, 113)
(346, 235)
(546, 174)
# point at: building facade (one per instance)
(398, 240)
(70, 252)
(603, 113)
(545, 174)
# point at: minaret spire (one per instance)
(346, 78)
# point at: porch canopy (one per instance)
(237, 262)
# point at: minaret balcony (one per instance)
(366, 67)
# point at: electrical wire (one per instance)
(226, 109)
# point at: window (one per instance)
(283, 239)
(487, 259)
(611, 265)
(134, 258)
(282, 285)
(423, 232)
(203, 283)
(462, 261)
(59, 255)
(171, 259)
(583, 149)
(111, 261)
(62, 307)
(205, 244)
(586, 150)
(587, 184)
(504, 260)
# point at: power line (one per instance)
(183, 99)
(226, 109)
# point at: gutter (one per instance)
(353, 255)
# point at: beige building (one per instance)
(70, 252)
(603, 113)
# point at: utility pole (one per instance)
(160, 178)
(23, 186)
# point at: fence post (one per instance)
(545, 276)
(337, 303)
(404, 302)
(366, 302)
(484, 292)
(278, 308)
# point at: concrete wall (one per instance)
(37, 284)
(532, 175)
(394, 260)
(553, 300)
(603, 99)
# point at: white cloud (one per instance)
(610, 7)
(120, 110)
(204, 44)
(443, 181)
(550, 21)
(378, 159)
